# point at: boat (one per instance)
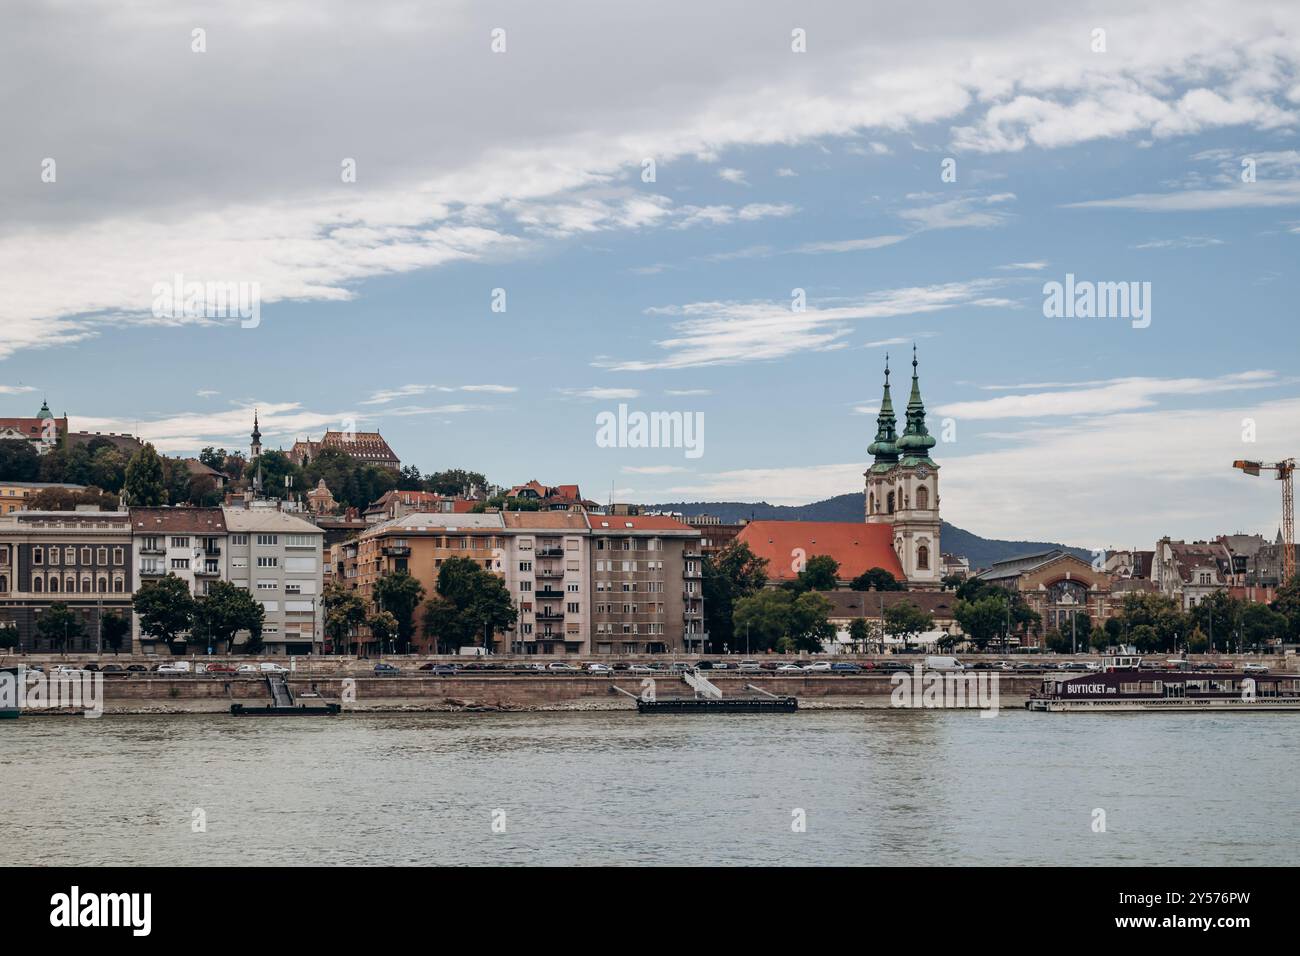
(9, 710)
(1123, 685)
(716, 705)
(283, 703)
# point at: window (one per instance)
(889, 504)
(38, 585)
(180, 564)
(118, 556)
(69, 555)
(923, 497)
(101, 556)
(268, 562)
(525, 565)
(180, 542)
(38, 555)
(308, 541)
(103, 586)
(572, 607)
(267, 540)
(119, 584)
(572, 588)
(85, 556)
(267, 584)
(525, 585)
(241, 540)
(923, 558)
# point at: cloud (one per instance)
(960, 213)
(1183, 242)
(691, 216)
(599, 393)
(786, 171)
(688, 391)
(1256, 195)
(653, 469)
(1031, 266)
(729, 332)
(190, 431)
(207, 392)
(850, 245)
(1104, 397)
(383, 396)
(15, 389)
(736, 176)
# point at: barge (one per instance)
(1122, 686)
(718, 705)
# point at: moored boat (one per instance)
(1122, 685)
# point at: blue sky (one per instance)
(775, 170)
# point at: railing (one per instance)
(551, 573)
(152, 572)
(701, 685)
(550, 615)
(394, 551)
(550, 552)
(549, 595)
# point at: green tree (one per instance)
(213, 457)
(982, 617)
(1218, 615)
(764, 616)
(905, 621)
(1261, 624)
(810, 627)
(860, 633)
(344, 612)
(453, 481)
(400, 594)
(819, 573)
(166, 608)
(8, 636)
(1287, 603)
(877, 579)
(144, 485)
(383, 628)
(734, 573)
(276, 466)
(59, 625)
(108, 468)
(67, 499)
(19, 461)
(471, 604)
(223, 612)
(114, 630)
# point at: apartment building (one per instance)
(279, 558)
(78, 558)
(14, 495)
(647, 585)
(547, 571)
(187, 542)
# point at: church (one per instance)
(900, 503)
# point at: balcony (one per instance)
(688, 573)
(153, 571)
(212, 552)
(550, 615)
(692, 554)
(395, 551)
(549, 595)
(550, 573)
(152, 549)
(550, 552)
(207, 572)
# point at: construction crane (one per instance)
(1284, 469)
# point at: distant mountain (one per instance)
(980, 552)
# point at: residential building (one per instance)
(279, 558)
(716, 535)
(547, 570)
(550, 497)
(956, 566)
(647, 585)
(397, 504)
(189, 543)
(1191, 572)
(15, 494)
(79, 558)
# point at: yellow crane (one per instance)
(1284, 469)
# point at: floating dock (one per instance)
(715, 705)
(283, 705)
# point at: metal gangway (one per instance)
(281, 696)
(701, 685)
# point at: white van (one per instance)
(939, 663)
(268, 667)
(174, 667)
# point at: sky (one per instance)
(732, 210)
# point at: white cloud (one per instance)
(736, 176)
(601, 394)
(688, 391)
(15, 389)
(1030, 266)
(850, 245)
(207, 392)
(1105, 397)
(786, 171)
(383, 396)
(1182, 242)
(726, 333)
(1256, 195)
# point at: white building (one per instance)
(277, 556)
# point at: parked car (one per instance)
(248, 669)
(445, 670)
(218, 668)
(940, 662)
(177, 667)
(722, 666)
(383, 669)
(113, 669)
(269, 667)
(786, 668)
(705, 666)
(641, 669)
(681, 666)
(92, 667)
(1254, 668)
(67, 670)
(846, 667)
(749, 666)
(561, 667)
(818, 667)
(136, 667)
(598, 669)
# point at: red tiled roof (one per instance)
(857, 547)
(179, 520)
(616, 524)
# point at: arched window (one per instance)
(54, 585)
(85, 584)
(871, 504)
(103, 586)
(923, 497)
(889, 503)
(70, 585)
(923, 558)
(118, 585)
(4, 582)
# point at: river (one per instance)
(870, 787)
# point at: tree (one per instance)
(8, 636)
(59, 625)
(344, 612)
(877, 579)
(383, 627)
(400, 594)
(166, 608)
(951, 582)
(108, 468)
(410, 479)
(471, 603)
(1261, 624)
(19, 461)
(223, 612)
(810, 627)
(276, 466)
(67, 499)
(905, 620)
(819, 573)
(982, 618)
(734, 573)
(764, 617)
(114, 629)
(213, 457)
(144, 485)
(860, 633)
(453, 481)
(1287, 603)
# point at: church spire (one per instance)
(916, 441)
(256, 448)
(883, 447)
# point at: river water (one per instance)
(870, 787)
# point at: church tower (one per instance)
(903, 486)
(255, 449)
(916, 490)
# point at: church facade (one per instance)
(902, 486)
